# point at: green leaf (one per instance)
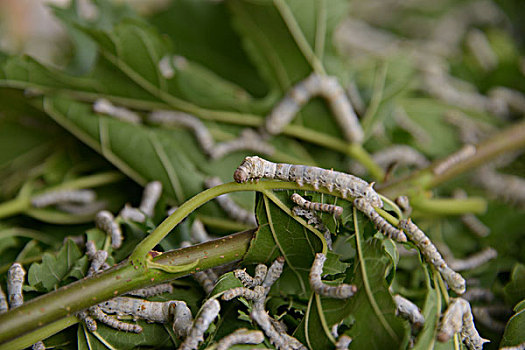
(49, 274)
(515, 329)
(515, 289)
(431, 311)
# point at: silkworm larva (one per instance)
(355, 97)
(343, 342)
(149, 310)
(96, 263)
(480, 47)
(199, 233)
(406, 123)
(342, 291)
(257, 293)
(200, 130)
(470, 220)
(463, 154)
(91, 249)
(483, 315)
(473, 261)
(249, 281)
(379, 222)
(90, 323)
(478, 294)
(182, 318)
(152, 291)
(3, 302)
(455, 281)
(232, 209)
(313, 219)
(150, 197)
(404, 204)
(302, 92)
(274, 272)
(408, 310)
(132, 214)
(240, 336)
(248, 140)
(509, 188)
(82, 209)
(470, 335)
(166, 68)
(513, 98)
(261, 317)
(208, 313)
(15, 280)
(63, 196)
(328, 208)
(255, 168)
(206, 279)
(98, 314)
(104, 106)
(106, 222)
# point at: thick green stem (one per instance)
(13, 207)
(450, 206)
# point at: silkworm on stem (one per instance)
(208, 313)
(15, 281)
(106, 222)
(63, 196)
(379, 222)
(274, 272)
(166, 68)
(154, 311)
(306, 204)
(152, 291)
(409, 311)
(315, 221)
(240, 336)
(97, 262)
(112, 322)
(132, 214)
(473, 261)
(104, 106)
(343, 342)
(150, 197)
(206, 279)
(463, 154)
(342, 291)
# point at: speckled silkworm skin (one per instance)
(343, 342)
(90, 323)
(248, 281)
(274, 272)
(182, 318)
(106, 222)
(257, 293)
(342, 291)
(206, 279)
(255, 168)
(473, 261)
(261, 317)
(98, 260)
(302, 92)
(3, 302)
(379, 222)
(104, 106)
(152, 291)
(240, 336)
(97, 313)
(408, 310)
(63, 196)
(150, 197)
(455, 281)
(463, 154)
(306, 204)
(313, 219)
(132, 214)
(166, 68)
(38, 346)
(149, 310)
(248, 140)
(200, 130)
(208, 313)
(15, 281)
(232, 209)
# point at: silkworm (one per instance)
(3, 302)
(104, 106)
(39, 346)
(132, 214)
(15, 281)
(470, 220)
(97, 262)
(470, 335)
(63, 196)
(248, 140)
(82, 209)
(379, 222)
(474, 260)
(455, 281)
(302, 92)
(206, 279)
(261, 317)
(478, 294)
(393, 155)
(355, 97)
(203, 136)
(274, 272)
(248, 281)
(182, 318)
(255, 168)
(508, 188)
(483, 315)
(150, 197)
(90, 323)
(153, 290)
(257, 293)
(328, 208)
(470, 131)
(406, 123)
(106, 222)
(343, 342)
(404, 204)
(480, 47)
(512, 98)
(342, 291)
(232, 209)
(408, 310)
(91, 249)
(313, 219)
(199, 233)
(166, 68)
(463, 154)
(208, 313)
(149, 310)
(112, 322)
(240, 336)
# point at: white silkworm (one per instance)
(248, 281)
(166, 68)
(201, 132)
(232, 209)
(313, 219)
(82, 209)
(248, 140)
(404, 204)
(206, 279)
(408, 310)
(302, 92)
(132, 214)
(480, 47)
(104, 106)
(470, 335)
(452, 321)
(393, 155)
(3, 302)
(455, 281)
(463, 154)
(150, 197)
(478, 294)
(343, 342)
(379, 222)
(15, 281)
(406, 123)
(106, 222)
(182, 318)
(261, 317)
(208, 313)
(39, 346)
(112, 322)
(240, 336)
(483, 315)
(91, 249)
(509, 188)
(470, 220)
(153, 290)
(199, 233)
(90, 323)
(97, 262)
(274, 272)
(355, 97)
(474, 260)
(254, 168)
(342, 291)
(256, 294)
(328, 208)
(149, 310)
(63, 196)
(513, 98)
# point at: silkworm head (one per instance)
(372, 196)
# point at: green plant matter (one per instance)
(456, 101)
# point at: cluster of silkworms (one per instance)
(409, 311)
(316, 85)
(208, 313)
(232, 209)
(312, 219)
(105, 221)
(393, 155)
(458, 319)
(15, 282)
(342, 291)
(104, 106)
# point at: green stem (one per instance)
(26, 261)
(447, 206)
(222, 224)
(379, 85)
(88, 181)
(13, 207)
(362, 156)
